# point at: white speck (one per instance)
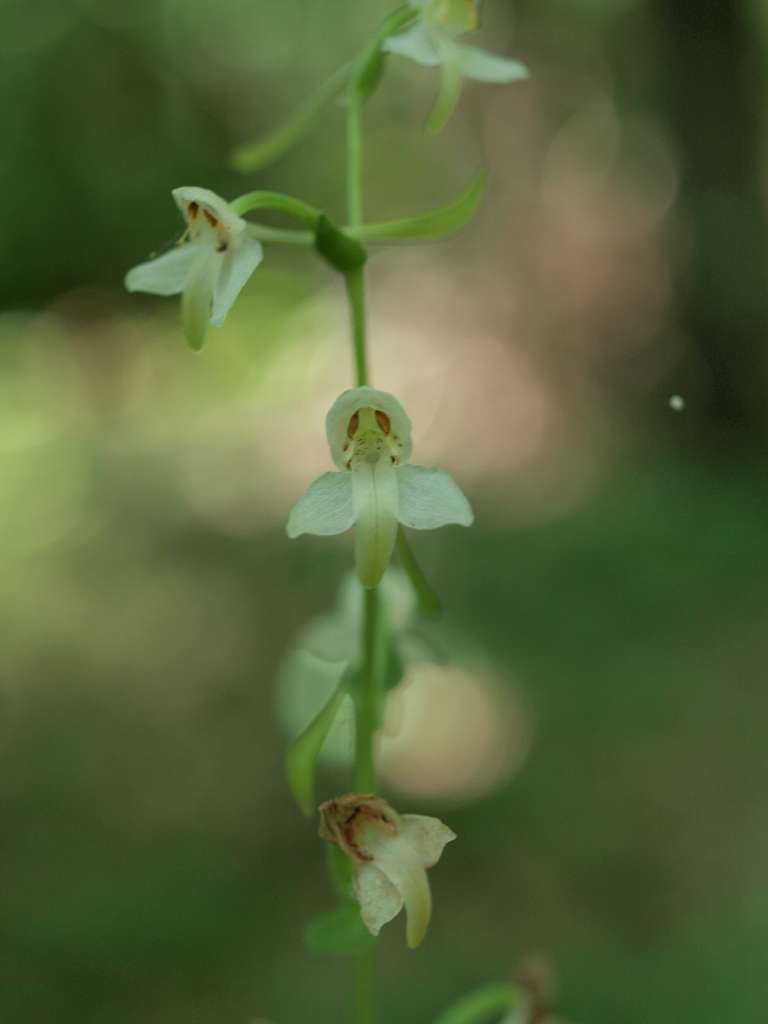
(676, 403)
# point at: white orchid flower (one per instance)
(433, 42)
(369, 435)
(390, 853)
(209, 266)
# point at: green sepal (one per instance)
(252, 156)
(482, 1005)
(339, 249)
(437, 223)
(301, 757)
(340, 932)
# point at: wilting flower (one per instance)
(390, 853)
(433, 42)
(209, 266)
(369, 435)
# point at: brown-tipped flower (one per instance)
(391, 853)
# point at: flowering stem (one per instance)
(365, 691)
(365, 769)
(363, 978)
(355, 282)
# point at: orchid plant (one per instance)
(377, 857)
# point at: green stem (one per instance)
(363, 979)
(365, 694)
(354, 158)
(366, 703)
(355, 282)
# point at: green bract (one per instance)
(209, 266)
(432, 42)
(369, 435)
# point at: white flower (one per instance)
(432, 42)
(209, 266)
(370, 439)
(390, 853)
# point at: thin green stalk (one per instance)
(262, 200)
(284, 236)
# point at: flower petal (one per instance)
(489, 67)
(348, 403)
(165, 275)
(197, 296)
(379, 900)
(400, 862)
(429, 498)
(325, 509)
(427, 836)
(374, 488)
(450, 84)
(237, 265)
(416, 44)
(220, 208)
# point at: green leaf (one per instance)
(252, 156)
(302, 755)
(482, 1005)
(437, 223)
(339, 933)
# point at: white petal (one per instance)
(428, 498)
(416, 44)
(325, 509)
(427, 836)
(237, 265)
(488, 67)
(348, 403)
(165, 275)
(220, 208)
(374, 488)
(197, 297)
(379, 900)
(397, 859)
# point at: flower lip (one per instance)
(389, 419)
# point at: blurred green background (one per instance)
(595, 722)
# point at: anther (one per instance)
(213, 221)
(383, 420)
(192, 209)
(354, 423)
